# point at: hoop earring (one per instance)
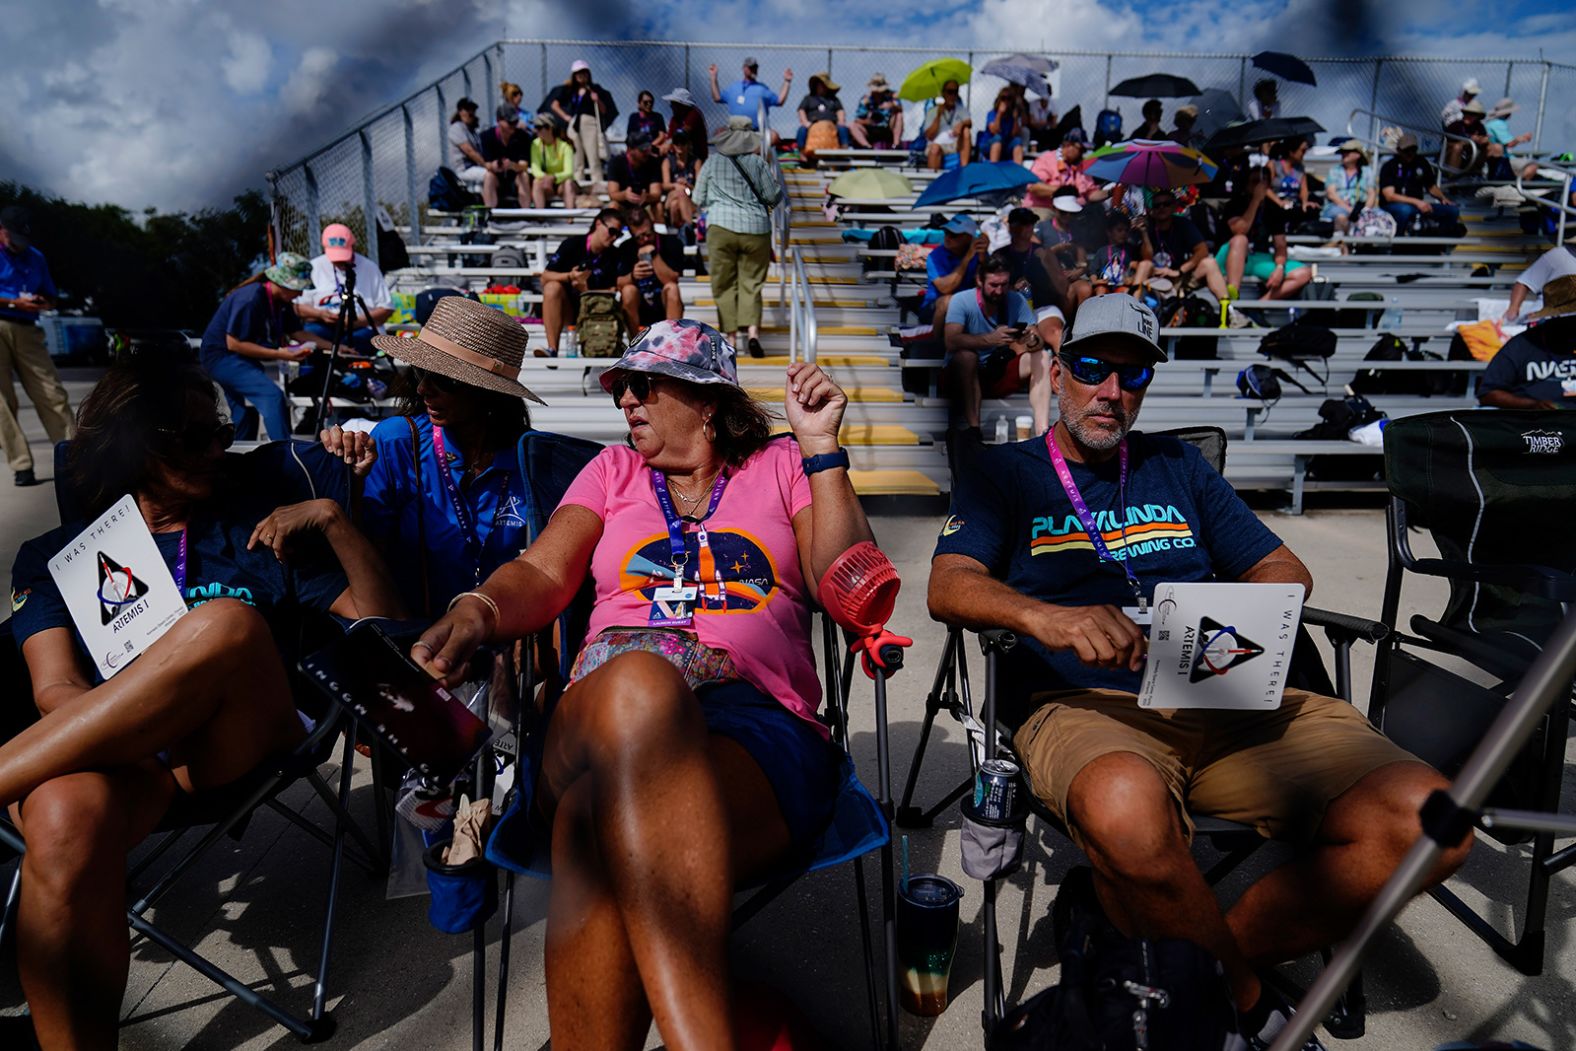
(712, 437)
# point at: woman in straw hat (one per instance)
(253, 325)
(1350, 188)
(443, 496)
(737, 191)
(822, 104)
(201, 707)
(685, 756)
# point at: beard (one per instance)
(1101, 436)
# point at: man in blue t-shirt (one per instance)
(1123, 779)
(950, 266)
(25, 289)
(745, 96)
(992, 340)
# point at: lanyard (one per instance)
(180, 567)
(462, 512)
(677, 554)
(1081, 509)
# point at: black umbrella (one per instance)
(1253, 132)
(1287, 67)
(1216, 109)
(1156, 86)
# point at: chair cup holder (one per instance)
(992, 848)
(463, 896)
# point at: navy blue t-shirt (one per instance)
(248, 315)
(218, 565)
(1184, 523)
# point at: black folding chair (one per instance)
(1496, 491)
(859, 825)
(278, 473)
(1236, 842)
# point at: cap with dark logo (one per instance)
(1118, 320)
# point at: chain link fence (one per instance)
(385, 163)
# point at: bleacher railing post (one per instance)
(1242, 83)
(465, 78)
(314, 222)
(443, 125)
(492, 81)
(1107, 104)
(369, 200)
(273, 217)
(686, 67)
(1543, 95)
(1373, 103)
(412, 184)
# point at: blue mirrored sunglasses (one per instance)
(1093, 371)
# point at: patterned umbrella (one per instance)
(1150, 162)
(1029, 70)
(926, 81)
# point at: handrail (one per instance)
(1562, 206)
(1445, 137)
(803, 329)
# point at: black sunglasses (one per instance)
(198, 438)
(439, 381)
(1092, 372)
(637, 383)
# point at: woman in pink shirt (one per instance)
(685, 757)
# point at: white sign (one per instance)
(121, 595)
(1220, 645)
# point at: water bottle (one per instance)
(1001, 430)
(569, 345)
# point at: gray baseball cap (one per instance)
(1118, 319)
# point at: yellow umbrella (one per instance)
(926, 81)
(875, 184)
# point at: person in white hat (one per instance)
(687, 117)
(1470, 90)
(586, 109)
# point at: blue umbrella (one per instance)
(1287, 67)
(976, 180)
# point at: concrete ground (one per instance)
(254, 905)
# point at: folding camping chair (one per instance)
(1496, 490)
(288, 472)
(950, 692)
(859, 824)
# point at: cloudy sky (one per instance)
(180, 103)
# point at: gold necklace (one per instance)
(691, 503)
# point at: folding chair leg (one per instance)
(877, 1036)
(504, 938)
(341, 819)
(1348, 1019)
(888, 880)
(995, 998)
(11, 897)
(478, 985)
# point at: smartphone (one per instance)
(1017, 330)
(402, 706)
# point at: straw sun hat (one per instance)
(469, 342)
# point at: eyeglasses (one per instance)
(198, 438)
(637, 383)
(1091, 372)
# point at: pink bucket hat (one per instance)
(684, 349)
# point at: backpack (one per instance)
(1389, 347)
(1338, 417)
(1263, 383)
(391, 247)
(886, 239)
(599, 329)
(1118, 993)
(428, 298)
(1107, 127)
(1298, 343)
(445, 192)
(1374, 222)
(1198, 310)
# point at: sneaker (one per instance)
(544, 352)
(755, 348)
(1236, 318)
(26, 478)
(1279, 1013)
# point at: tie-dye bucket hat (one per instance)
(684, 349)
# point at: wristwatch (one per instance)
(826, 461)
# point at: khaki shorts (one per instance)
(1276, 771)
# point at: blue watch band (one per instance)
(826, 461)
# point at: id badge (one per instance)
(677, 593)
(1142, 617)
(1568, 388)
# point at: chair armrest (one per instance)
(1551, 583)
(997, 640)
(1354, 628)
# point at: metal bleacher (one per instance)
(824, 304)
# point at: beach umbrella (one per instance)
(1156, 86)
(870, 184)
(1287, 67)
(1150, 162)
(926, 81)
(979, 179)
(1216, 109)
(1253, 132)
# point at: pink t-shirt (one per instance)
(1050, 169)
(753, 601)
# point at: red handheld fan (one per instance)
(859, 592)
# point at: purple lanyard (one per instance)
(1081, 509)
(180, 567)
(474, 544)
(676, 551)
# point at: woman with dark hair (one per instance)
(647, 122)
(200, 708)
(685, 756)
(679, 171)
(443, 497)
